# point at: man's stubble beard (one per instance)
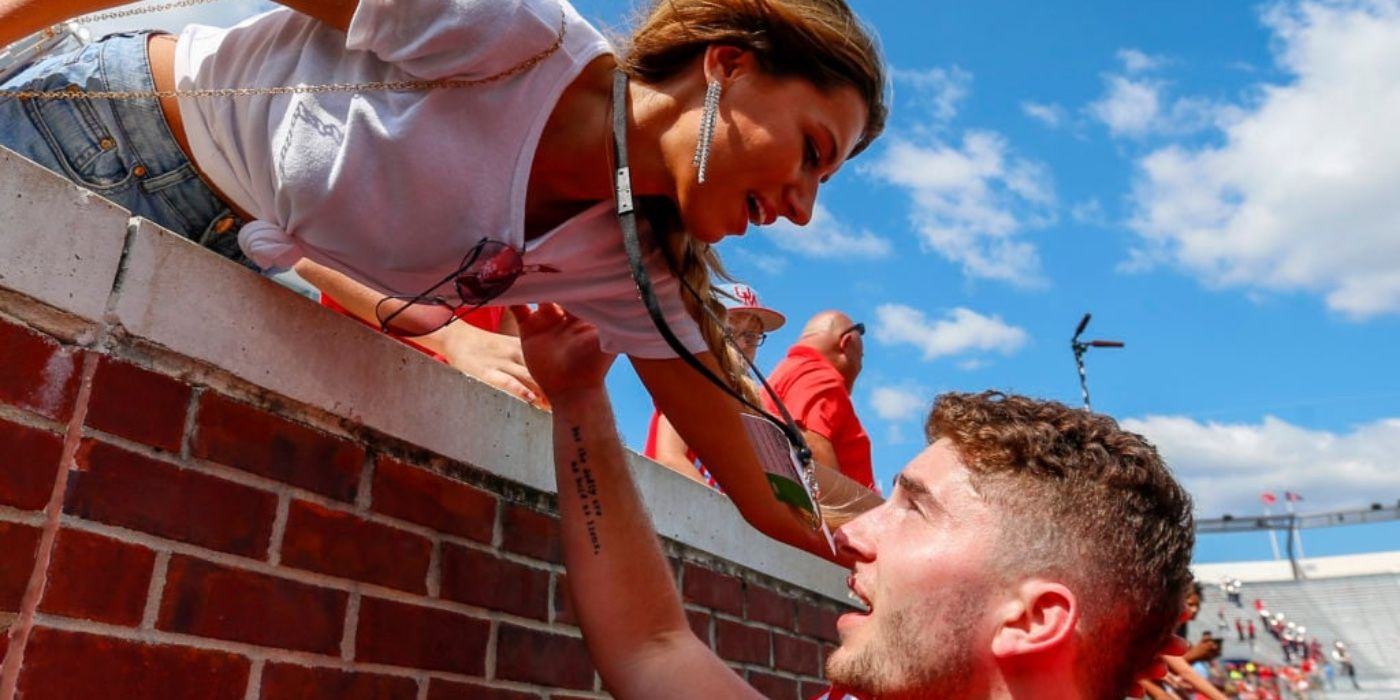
(924, 652)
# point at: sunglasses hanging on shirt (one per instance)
(781, 449)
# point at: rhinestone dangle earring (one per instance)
(707, 129)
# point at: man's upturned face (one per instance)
(924, 564)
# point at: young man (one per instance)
(1031, 551)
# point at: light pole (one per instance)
(1080, 347)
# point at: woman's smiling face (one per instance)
(776, 140)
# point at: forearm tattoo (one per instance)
(587, 490)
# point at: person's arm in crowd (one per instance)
(708, 420)
(1182, 669)
(671, 451)
(20, 18)
(1156, 692)
(493, 358)
(842, 499)
(623, 594)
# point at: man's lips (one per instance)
(857, 594)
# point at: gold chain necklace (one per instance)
(375, 86)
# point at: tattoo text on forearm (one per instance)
(587, 490)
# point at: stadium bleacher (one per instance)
(1363, 611)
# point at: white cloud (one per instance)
(899, 403)
(936, 92)
(1088, 212)
(972, 201)
(1227, 465)
(1049, 114)
(768, 264)
(960, 331)
(1131, 107)
(826, 237)
(1300, 193)
(1136, 61)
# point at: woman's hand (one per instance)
(561, 350)
(491, 357)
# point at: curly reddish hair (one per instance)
(1089, 504)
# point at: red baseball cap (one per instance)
(741, 297)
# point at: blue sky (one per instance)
(1215, 181)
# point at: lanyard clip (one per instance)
(624, 190)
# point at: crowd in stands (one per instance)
(1308, 668)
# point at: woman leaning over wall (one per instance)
(470, 159)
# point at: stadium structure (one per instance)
(1353, 598)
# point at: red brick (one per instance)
(209, 600)
(439, 689)
(700, 625)
(827, 651)
(773, 687)
(531, 656)
(769, 607)
(564, 602)
(424, 638)
(30, 464)
(713, 590)
(98, 578)
(60, 664)
(341, 544)
(796, 655)
(423, 497)
(38, 373)
(485, 579)
(243, 437)
(18, 544)
(736, 641)
(289, 682)
(817, 621)
(118, 388)
(117, 487)
(812, 689)
(531, 534)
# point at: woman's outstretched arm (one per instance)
(708, 420)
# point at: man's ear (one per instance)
(1040, 618)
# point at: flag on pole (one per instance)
(1292, 496)
(1268, 498)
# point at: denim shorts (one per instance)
(122, 150)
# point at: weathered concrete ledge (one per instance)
(102, 272)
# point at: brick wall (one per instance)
(171, 527)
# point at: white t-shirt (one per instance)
(393, 188)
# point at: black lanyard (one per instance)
(627, 217)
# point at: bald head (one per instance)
(830, 333)
(826, 323)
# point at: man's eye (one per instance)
(814, 157)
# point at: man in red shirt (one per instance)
(1033, 550)
(815, 381)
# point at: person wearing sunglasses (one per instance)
(815, 382)
(748, 323)
(446, 154)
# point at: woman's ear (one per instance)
(1041, 618)
(725, 62)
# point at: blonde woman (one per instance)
(470, 160)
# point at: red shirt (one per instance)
(650, 450)
(816, 396)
